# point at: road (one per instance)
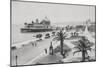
(29, 52)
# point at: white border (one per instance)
(5, 33)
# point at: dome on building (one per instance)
(45, 21)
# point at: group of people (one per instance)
(34, 43)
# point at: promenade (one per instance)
(29, 54)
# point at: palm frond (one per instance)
(64, 37)
(90, 44)
(82, 44)
(86, 52)
(77, 48)
(56, 35)
(75, 42)
(90, 49)
(76, 52)
(56, 38)
(55, 42)
(64, 33)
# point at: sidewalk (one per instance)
(19, 45)
(46, 59)
(29, 52)
(36, 59)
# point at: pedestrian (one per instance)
(35, 44)
(64, 55)
(45, 51)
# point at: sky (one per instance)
(57, 13)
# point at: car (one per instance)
(39, 36)
(47, 35)
(53, 33)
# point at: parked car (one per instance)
(53, 33)
(47, 35)
(39, 36)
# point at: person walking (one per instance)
(35, 44)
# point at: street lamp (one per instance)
(16, 59)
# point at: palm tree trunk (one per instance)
(61, 42)
(61, 46)
(83, 56)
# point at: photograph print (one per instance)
(52, 33)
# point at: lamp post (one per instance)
(16, 60)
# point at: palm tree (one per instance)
(66, 50)
(60, 37)
(83, 46)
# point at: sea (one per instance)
(18, 37)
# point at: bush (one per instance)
(66, 49)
